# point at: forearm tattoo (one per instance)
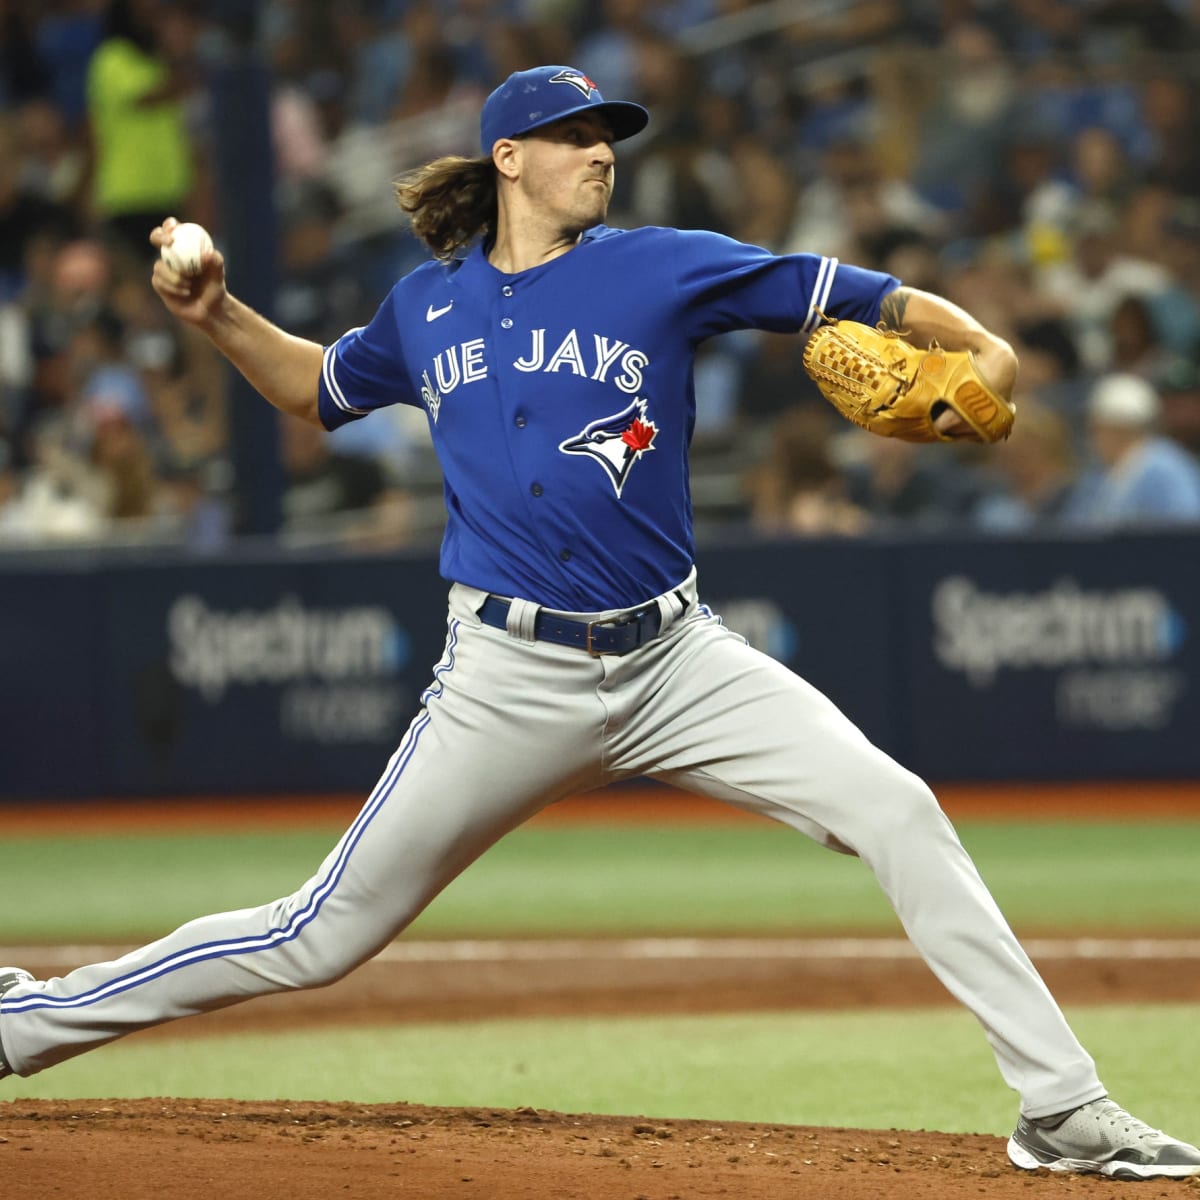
(891, 310)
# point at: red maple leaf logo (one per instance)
(639, 435)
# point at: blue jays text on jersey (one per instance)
(465, 363)
(560, 399)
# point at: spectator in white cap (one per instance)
(1142, 478)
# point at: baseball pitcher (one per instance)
(552, 356)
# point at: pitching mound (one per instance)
(150, 1149)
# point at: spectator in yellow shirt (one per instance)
(137, 84)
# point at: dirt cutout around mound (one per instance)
(435, 981)
(185, 1149)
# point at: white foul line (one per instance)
(678, 948)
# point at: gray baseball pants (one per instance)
(510, 725)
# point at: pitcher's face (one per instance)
(566, 170)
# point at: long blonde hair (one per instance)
(451, 202)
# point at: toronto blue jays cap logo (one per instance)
(527, 100)
(616, 442)
(576, 79)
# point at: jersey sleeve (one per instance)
(364, 370)
(726, 284)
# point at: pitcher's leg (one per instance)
(750, 732)
(457, 783)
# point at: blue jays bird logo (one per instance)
(576, 80)
(616, 442)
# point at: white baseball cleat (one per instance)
(1101, 1138)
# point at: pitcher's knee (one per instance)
(325, 947)
(905, 803)
(314, 967)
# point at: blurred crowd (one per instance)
(1037, 161)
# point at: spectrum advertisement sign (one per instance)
(1044, 660)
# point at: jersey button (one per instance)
(506, 290)
(519, 422)
(565, 555)
(506, 323)
(536, 489)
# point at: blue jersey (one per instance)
(560, 399)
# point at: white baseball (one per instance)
(188, 243)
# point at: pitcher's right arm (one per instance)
(281, 367)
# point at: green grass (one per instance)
(928, 1069)
(1100, 877)
(584, 879)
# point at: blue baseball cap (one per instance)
(527, 100)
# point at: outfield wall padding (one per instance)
(266, 671)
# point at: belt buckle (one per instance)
(629, 618)
(587, 638)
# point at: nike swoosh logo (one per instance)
(432, 314)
